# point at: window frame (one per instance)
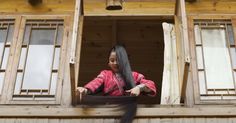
(15, 57)
(193, 52)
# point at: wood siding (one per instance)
(112, 120)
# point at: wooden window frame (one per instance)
(7, 97)
(194, 68)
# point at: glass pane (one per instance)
(231, 34)
(18, 83)
(1, 51)
(38, 67)
(10, 34)
(42, 36)
(233, 57)
(1, 80)
(199, 57)
(53, 84)
(56, 58)
(60, 34)
(22, 58)
(217, 59)
(197, 34)
(27, 34)
(5, 58)
(202, 82)
(3, 34)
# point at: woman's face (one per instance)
(113, 64)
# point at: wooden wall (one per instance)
(110, 120)
(48, 7)
(211, 7)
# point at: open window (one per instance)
(144, 41)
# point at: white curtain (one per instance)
(170, 87)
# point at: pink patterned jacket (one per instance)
(113, 85)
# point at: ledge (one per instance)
(29, 112)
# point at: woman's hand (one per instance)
(134, 91)
(82, 91)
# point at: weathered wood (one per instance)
(164, 112)
(77, 15)
(48, 6)
(182, 42)
(135, 8)
(72, 82)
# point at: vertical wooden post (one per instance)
(183, 52)
(76, 37)
(114, 4)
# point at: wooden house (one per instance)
(49, 47)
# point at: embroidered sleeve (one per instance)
(97, 82)
(147, 85)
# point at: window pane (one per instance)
(1, 80)
(18, 83)
(42, 36)
(231, 34)
(10, 34)
(199, 57)
(202, 82)
(53, 84)
(38, 67)
(60, 34)
(217, 59)
(233, 57)
(27, 34)
(5, 58)
(3, 34)
(39, 59)
(22, 58)
(56, 59)
(197, 35)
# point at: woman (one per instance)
(120, 80)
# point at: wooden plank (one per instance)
(211, 7)
(77, 15)
(29, 112)
(49, 6)
(135, 8)
(182, 44)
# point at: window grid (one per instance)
(6, 36)
(41, 93)
(214, 93)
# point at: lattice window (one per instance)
(216, 59)
(38, 66)
(6, 37)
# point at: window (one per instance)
(6, 37)
(37, 59)
(215, 59)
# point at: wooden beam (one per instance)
(130, 9)
(113, 4)
(75, 30)
(177, 112)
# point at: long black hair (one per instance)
(124, 65)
